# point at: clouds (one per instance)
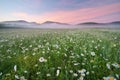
(69, 11)
(74, 16)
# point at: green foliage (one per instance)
(32, 54)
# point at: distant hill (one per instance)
(116, 22)
(52, 22)
(95, 23)
(88, 23)
(57, 25)
(18, 21)
(25, 24)
(18, 24)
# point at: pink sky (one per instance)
(74, 16)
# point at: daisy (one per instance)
(48, 75)
(93, 53)
(42, 59)
(58, 72)
(16, 76)
(75, 74)
(109, 78)
(15, 68)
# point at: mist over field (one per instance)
(57, 25)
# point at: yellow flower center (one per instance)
(111, 78)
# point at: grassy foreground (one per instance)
(31, 54)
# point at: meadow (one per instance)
(35, 54)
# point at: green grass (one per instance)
(67, 54)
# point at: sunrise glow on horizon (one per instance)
(65, 11)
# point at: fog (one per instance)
(56, 26)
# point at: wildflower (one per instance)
(85, 59)
(77, 56)
(42, 59)
(109, 78)
(82, 71)
(83, 63)
(93, 41)
(36, 65)
(92, 72)
(30, 46)
(96, 47)
(114, 45)
(65, 55)
(26, 49)
(56, 46)
(43, 52)
(75, 64)
(48, 75)
(0, 73)
(115, 37)
(75, 74)
(48, 49)
(33, 54)
(87, 73)
(72, 56)
(23, 51)
(116, 65)
(93, 53)
(25, 57)
(47, 43)
(8, 74)
(108, 65)
(22, 78)
(83, 74)
(71, 71)
(94, 66)
(16, 76)
(15, 68)
(59, 67)
(39, 46)
(117, 76)
(9, 57)
(58, 72)
(38, 73)
(81, 78)
(82, 54)
(35, 49)
(100, 40)
(25, 71)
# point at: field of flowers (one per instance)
(31, 54)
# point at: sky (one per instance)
(65, 11)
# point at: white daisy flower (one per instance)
(0, 73)
(25, 71)
(109, 78)
(71, 71)
(48, 75)
(82, 54)
(57, 72)
(108, 65)
(42, 59)
(22, 78)
(75, 74)
(16, 76)
(15, 68)
(116, 65)
(93, 53)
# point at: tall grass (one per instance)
(59, 54)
